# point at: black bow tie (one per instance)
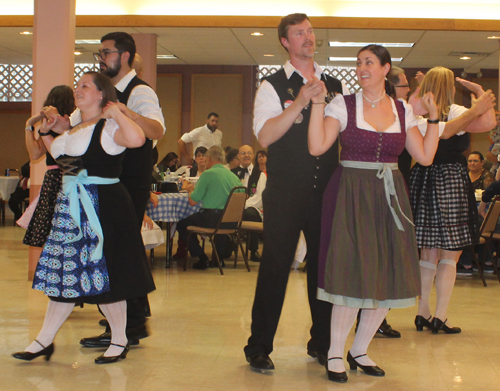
(242, 171)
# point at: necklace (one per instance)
(373, 101)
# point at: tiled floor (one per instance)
(201, 321)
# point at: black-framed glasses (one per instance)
(104, 54)
(403, 86)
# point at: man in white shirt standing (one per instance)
(205, 136)
(292, 201)
(255, 182)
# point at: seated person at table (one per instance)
(200, 163)
(255, 181)
(22, 191)
(464, 266)
(170, 161)
(479, 177)
(212, 189)
(232, 159)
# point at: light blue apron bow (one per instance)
(71, 185)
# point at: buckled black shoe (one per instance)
(320, 355)
(103, 340)
(260, 361)
(28, 356)
(102, 359)
(421, 322)
(386, 330)
(438, 324)
(368, 369)
(339, 377)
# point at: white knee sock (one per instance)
(445, 280)
(55, 316)
(369, 323)
(116, 314)
(427, 274)
(342, 321)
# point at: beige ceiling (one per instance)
(235, 46)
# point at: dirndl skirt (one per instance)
(444, 206)
(39, 227)
(366, 261)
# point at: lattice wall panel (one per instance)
(347, 75)
(80, 69)
(16, 81)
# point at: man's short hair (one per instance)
(393, 75)
(286, 22)
(123, 42)
(216, 154)
(212, 115)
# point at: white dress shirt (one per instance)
(203, 137)
(267, 102)
(255, 200)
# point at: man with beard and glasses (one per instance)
(139, 102)
(205, 136)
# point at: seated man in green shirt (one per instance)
(213, 188)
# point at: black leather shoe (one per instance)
(102, 359)
(260, 361)
(202, 263)
(421, 322)
(320, 355)
(339, 377)
(28, 356)
(368, 369)
(103, 340)
(438, 324)
(386, 330)
(255, 256)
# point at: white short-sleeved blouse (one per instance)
(337, 109)
(77, 142)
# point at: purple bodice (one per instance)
(368, 146)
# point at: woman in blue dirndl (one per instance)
(368, 253)
(94, 253)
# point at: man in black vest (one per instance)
(292, 200)
(255, 182)
(139, 102)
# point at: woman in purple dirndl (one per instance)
(368, 254)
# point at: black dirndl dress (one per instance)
(442, 199)
(66, 270)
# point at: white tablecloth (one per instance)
(7, 186)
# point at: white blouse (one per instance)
(337, 109)
(77, 143)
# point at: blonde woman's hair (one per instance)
(441, 82)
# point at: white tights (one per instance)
(342, 321)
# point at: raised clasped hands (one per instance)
(111, 110)
(429, 105)
(483, 103)
(314, 90)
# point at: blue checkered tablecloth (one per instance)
(171, 207)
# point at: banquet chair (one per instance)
(250, 227)
(487, 236)
(232, 213)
